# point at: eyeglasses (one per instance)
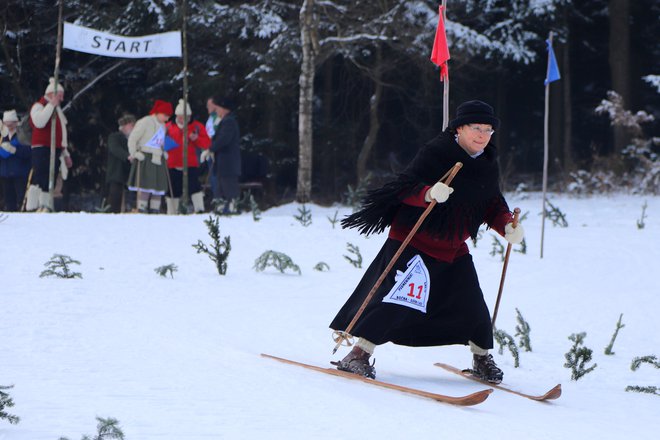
(486, 131)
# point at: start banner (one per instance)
(88, 40)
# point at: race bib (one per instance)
(412, 287)
(157, 140)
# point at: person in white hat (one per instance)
(40, 119)
(198, 139)
(14, 163)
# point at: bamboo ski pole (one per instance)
(516, 214)
(341, 336)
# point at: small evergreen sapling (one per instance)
(106, 429)
(497, 249)
(333, 221)
(3, 217)
(6, 401)
(557, 217)
(304, 216)
(523, 329)
(220, 248)
(619, 326)
(578, 356)
(504, 339)
(357, 262)
(164, 270)
(321, 266)
(278, 260)
(640, 222)
(634, 366)
(58, 266)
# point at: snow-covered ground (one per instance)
(180, 358)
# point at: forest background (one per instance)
(377, 97)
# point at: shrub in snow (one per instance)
(220, 248)
(636, 363)
(640, 222)
(7, 402)
(523, 330)
(58, 266)
(321, 267)
(106, 429)
(304, 216)
(555, 215)
(164, 270)
(640, 157)
(578, 356)
(497, 249)
(333, 221)
(619, 326)
(278, 260)
(353, 196)
(357, 262)
(504, 339)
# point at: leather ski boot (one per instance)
(485, 368)
(357, 362)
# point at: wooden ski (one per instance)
(471, 399)
(552, 394)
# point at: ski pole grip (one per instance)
(516, 214)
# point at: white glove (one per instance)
(9, 148)
(440, 192)
(206, 155)
(139, 155)
(514, 235)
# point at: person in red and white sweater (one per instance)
(198, 139)
(41, 117)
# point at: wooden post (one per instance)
(545, 148)
(183, 206)
(53, 119)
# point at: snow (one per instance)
(179, 358)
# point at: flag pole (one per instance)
(53, 118)
(545, 143)
(445, 92)
(183, 206)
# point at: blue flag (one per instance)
(553, 70)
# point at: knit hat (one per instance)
(163, 107)
(10, 116)
(179, 109)
(51, 86)
(474, 112)
(126, 119)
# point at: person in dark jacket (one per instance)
(225, 146)
(432, 295)
(15, 163)
(118, 165)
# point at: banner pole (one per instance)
(445, 92)
(545, 148)
(53, 119)
(183, 206)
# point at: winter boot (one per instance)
(172, 205)
(198, 201)
(45, 202)
(484, 368)
(357, 362)
(154, 205)
(32, 202)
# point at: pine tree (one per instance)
(6, 401)
(106, 429)
(578, 356)
(164, 270)
(275, 259)
(523, 329)
(58, 266)
(505, 340)
(357, 262)
(220, 248)
(619, 326)
(304, 216)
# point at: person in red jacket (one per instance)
(432, 295)
(41, 116)
(198, 139)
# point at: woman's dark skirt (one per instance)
(456, 311)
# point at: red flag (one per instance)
(440, 52)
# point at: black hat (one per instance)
(225, 101)
(474, 112)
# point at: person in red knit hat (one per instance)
(197, 139)
(148, 175)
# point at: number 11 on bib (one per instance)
(411, 288)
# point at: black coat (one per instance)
(226, 146)
(118, 165)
